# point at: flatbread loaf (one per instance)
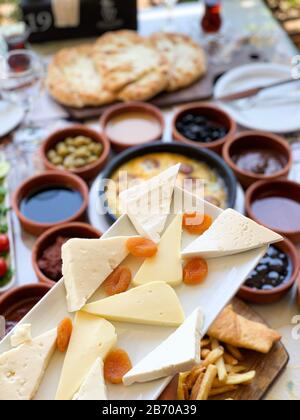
(186, 59)
(74, 80)
(231, 328)
(131, 65)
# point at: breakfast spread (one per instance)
(272, 271)
(74, 153)
(259, 161)
(41, 205)
(124, 66)
(50, 262)
(200, 128)
(279, 212)
(143, 168)
(92, 361)
(133, 127)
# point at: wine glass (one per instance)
(21, 79)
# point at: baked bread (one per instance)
(231, 328)
(74, 80)
(186, 59)
(131, 65)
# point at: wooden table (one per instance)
(241, 17)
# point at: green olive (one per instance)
(92, 159)
(62, 149)
(79, 162)
(96, 148)
(82, 141)
(57, 160)
(69, 162)
(69, 141)
(82, 152)
(51, 155)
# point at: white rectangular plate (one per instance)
(226, 275)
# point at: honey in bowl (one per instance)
(51, 204)
(133, 127)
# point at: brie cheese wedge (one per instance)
(21, 335)
(148, 205)
(166, 265)
(93, 388)
(22, 368)
(92, 337)
(180, 352)
(87, 263)
(231, 233)
(152, 304)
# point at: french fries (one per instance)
(219, 373)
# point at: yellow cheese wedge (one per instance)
(92, 337)
(152, 304)
(166, 264)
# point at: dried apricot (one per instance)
(141, 247)
(195, 271)
(116, 365)
(64, 332)
(118, 281)
(196, 223)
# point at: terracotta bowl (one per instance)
(279, 188)
(87, 172)
(42, 180)
(271, 296)
(119, 109)
(212, 112)
(69, 230)
(251, 140)
(19, 297)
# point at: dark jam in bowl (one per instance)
(18, 311)
(200, 128)
(51, 204)
(259, 161)
(274, 270)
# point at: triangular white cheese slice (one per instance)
(152, 304)
(148, 205)
(178, 353)
(231, 233)
(92, 337)
(93, 388)
(87, 263)
(22, 368)
(166, 265)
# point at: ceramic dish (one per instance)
(207, 157)
(137, 111)
(88, 171)
(270, 296)
(20, 298)
(253, 141)
(38, 182)
(281, 189)
(69, 230)
(211, 112)
(274, 110)
(226, 275)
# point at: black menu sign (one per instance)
(50, 20)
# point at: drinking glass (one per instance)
(21, 79)
(170, 4)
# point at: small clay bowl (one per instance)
(252, 140)
(21, 299)
(270, 296)
(212, 112)
(87, 172)
(120, 109)
(45, 179)
(280, 188)
(68, 230)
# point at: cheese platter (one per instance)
(144, 322)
